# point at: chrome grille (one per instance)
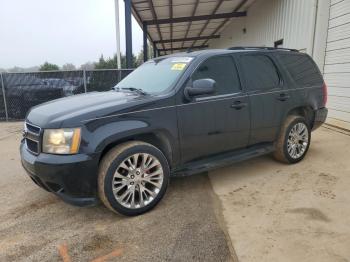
(31, 136)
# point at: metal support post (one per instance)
(145, 45)
(84, 79)
(128, 34)
(4, 96)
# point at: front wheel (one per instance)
(294, 140)
(133, 178)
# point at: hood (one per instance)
(70, 111)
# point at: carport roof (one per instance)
(174, 25)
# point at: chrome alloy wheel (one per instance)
(137, 180)
(298, 140)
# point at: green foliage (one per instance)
(111, 63)
(49, 67)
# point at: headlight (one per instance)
(61, 141)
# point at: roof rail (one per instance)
(261, 48)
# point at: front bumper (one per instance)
(320, 117)
(71, 177)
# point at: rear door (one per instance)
(215, 123)
(268, 98)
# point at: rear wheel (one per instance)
(294, 140)
(133, 178)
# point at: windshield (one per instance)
(156, 76)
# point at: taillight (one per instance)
(325, 94)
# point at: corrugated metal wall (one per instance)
(320, 28)
(272, 20)
(337, 61)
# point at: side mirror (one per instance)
(201, 87)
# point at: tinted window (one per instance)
(221, 69)
(302, 69)
(260, 72)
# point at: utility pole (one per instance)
(117, 32)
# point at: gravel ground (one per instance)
(37, 226)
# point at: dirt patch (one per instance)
(32, 207)
(325, 185)
(98, 242)
(310, 213)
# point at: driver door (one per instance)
(216, 123)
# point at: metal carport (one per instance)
(175, 25)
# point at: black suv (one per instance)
(174, 115)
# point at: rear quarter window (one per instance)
(302, 68)
(260, 72)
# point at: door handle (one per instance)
(283, 97)
(238, 105)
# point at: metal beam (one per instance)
(207, 22)
(145, 46)
(154, 14)
(190, 23)
(187, 39)
(128, 34)
(138, 18)
(239, 6)
(195, 18)
(182, 48)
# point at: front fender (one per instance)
(98, 138)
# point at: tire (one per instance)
(128, 190)
(293, 141)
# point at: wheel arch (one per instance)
(158, 138)
(305, 111)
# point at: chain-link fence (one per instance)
(21, 91)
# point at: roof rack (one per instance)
(261, 48)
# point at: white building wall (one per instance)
(337, 62)
(271, 20)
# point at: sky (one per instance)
(60, 31)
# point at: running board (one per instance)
(226, 159)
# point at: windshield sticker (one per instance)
(181, 59)
(178, 66)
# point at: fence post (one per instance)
(119, 75)
(4, 96)
(84, 78)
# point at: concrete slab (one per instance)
(333, 122)
(278, 212)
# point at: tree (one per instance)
(111, 63)
(49, 67)
(139, 59)
(88, 66)
(68, 66)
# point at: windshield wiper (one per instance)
(133, 89)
